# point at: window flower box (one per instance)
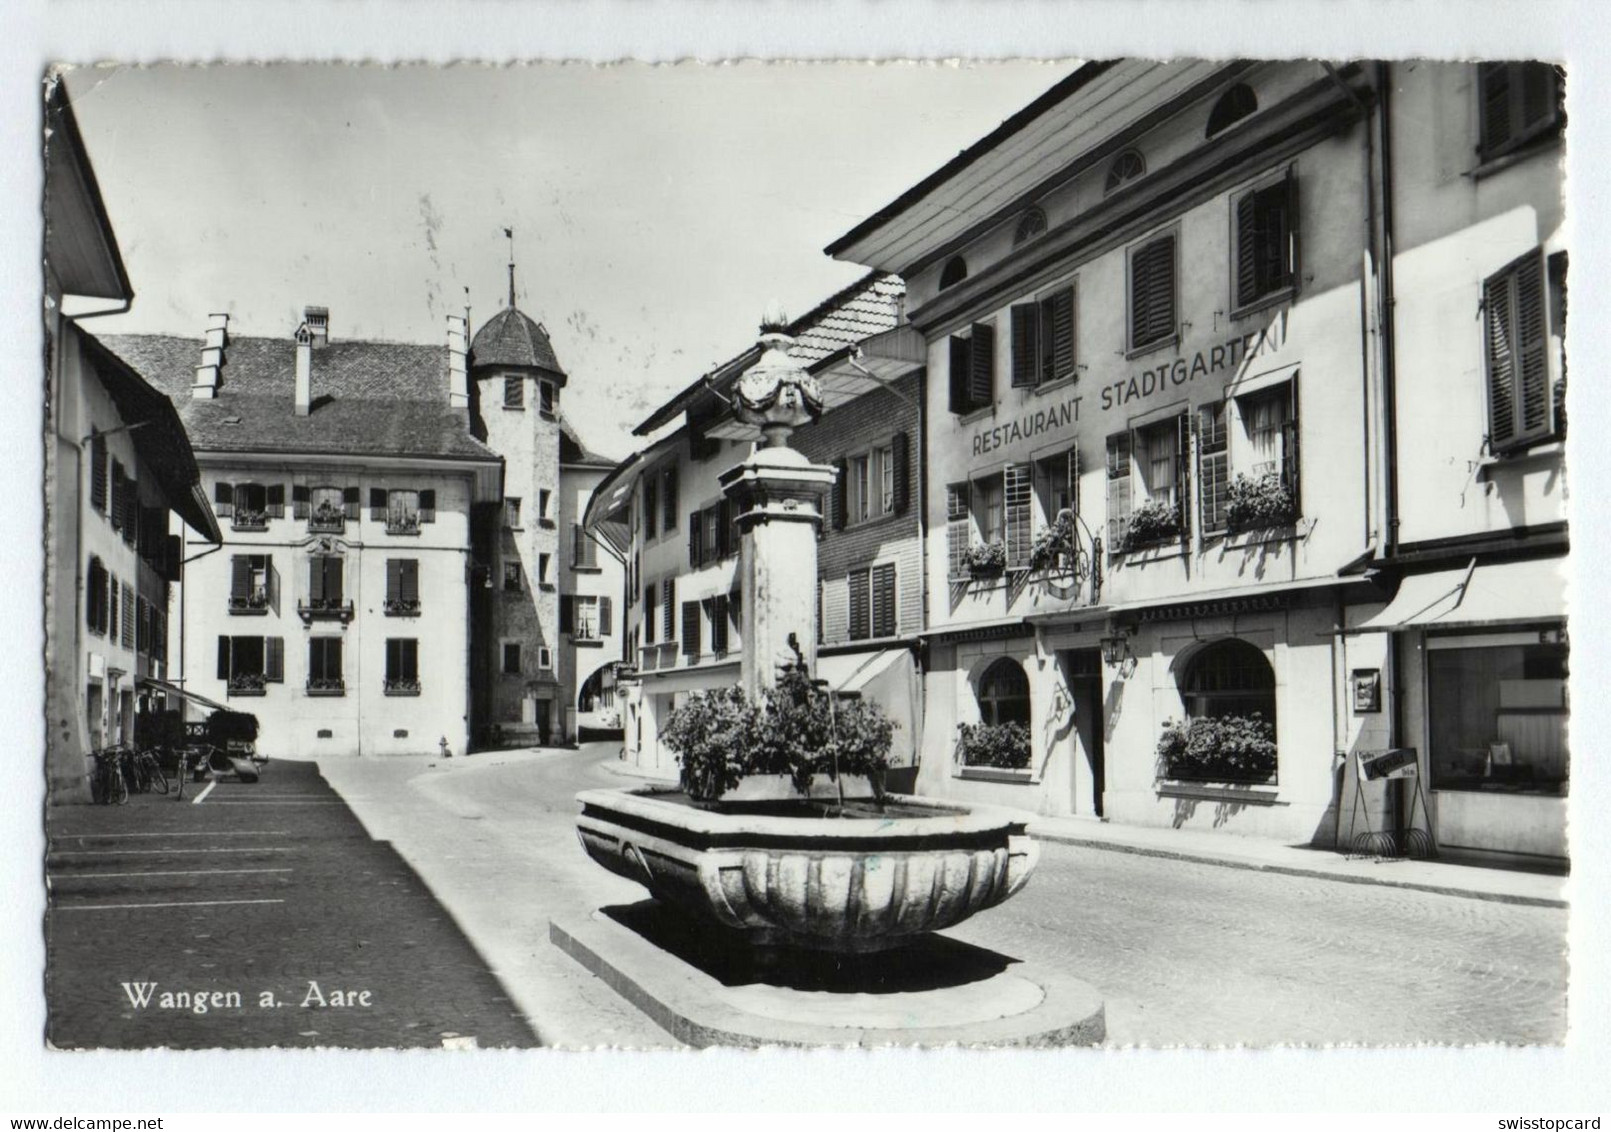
(402, 524)
(245, 520)
(247, 684)
(327, 519)
(1228, 748)
(1152, 524)
(326, 686)
(403, 687)
(325, 609)
(398, 607)
(986, 560)
(255, 602)
(1258, 504)
(1004, 746)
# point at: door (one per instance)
(1084, 668)
(544, 710)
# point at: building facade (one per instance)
(119, 475)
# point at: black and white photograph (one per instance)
(1057, 554)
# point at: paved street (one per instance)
(262, 917)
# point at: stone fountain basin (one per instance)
(796, 874)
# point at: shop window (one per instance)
(1516, 323)
(1128, 166)
(1229, 677)
(954, 272)
(1153, 317)
(1264, 252)
(1497, 716)
(1043, 339)
(973, 368)
(1517, 103)
(1234, 105)
(1031, 224)
(1003, 693)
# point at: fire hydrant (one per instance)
(447, 752)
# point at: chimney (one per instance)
(317, 320)
(212, 358)
(304, 370)
(458, 362)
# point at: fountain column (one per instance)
(777, 495)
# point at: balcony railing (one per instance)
(247, 684)
(403, 686)
(245, 520)
(325, 609)
(398, 607)
(327, 520)
(326, 686)
(253, 603)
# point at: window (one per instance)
(1232, 683)
(511, 578)
(872, 602)
(250, 511)
(514, 392)
(402, 587)
(1158, 450)
(669, 498)
(668, 604)
(247, 664)
(584, 551)
(1147, 483)
(579, 616)
(142, 628)
(1056, 486)
(251, 588)
(511, 512)
(973, 368)
(717, 607)
(328, 509)
(1128, 166)
(402, 512)
(544, 497)
(1031, 224)
(543, 581)
(651, 503)
(1520, 403)
(870, 490)
(324, 667)
(325, 581)
(1003, 693)
(402, 666)
(547, 399)
(1266, 222)
(511, 658)
(1517, 102)
(1497, 714)
(954, 272)
(96, 602)
(98, 472)
(988, 502)
(1152, 293)
(690, 628)
(545, 658)
(1234, 105)
(1043, 339)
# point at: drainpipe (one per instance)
(1389, 302)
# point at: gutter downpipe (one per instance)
(1390, 302)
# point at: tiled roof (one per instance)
(369, 398)
(573, 451)
(869, 306)
(509, 338)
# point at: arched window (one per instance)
(1229, 677)
(1030, 225)
(1004, 693)
(1234, 105)
(1126, 167)
(954, 272)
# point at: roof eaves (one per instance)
(56, 101)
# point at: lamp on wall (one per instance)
(1116, 648)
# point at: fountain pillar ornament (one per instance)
(777, 495)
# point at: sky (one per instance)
(656, 209)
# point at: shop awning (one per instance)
(887, 677)
(851, 672)
(1497, 593)
(175, 690)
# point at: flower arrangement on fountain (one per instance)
(1153, 522)
(986, 559)
(1254, 504)
(1004, 746)
(795, 729)
(1227, 748)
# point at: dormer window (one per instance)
(1128, 166)
(954, 272)
(1031, 224)
(1234, 105)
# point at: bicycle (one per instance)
(147, 770)
(108, 785)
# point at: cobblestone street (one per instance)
(268, 890)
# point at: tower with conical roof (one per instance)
(519, 669)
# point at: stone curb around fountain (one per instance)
(1053, 1009)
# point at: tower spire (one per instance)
(510, 232)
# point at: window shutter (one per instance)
(901, 456)
(690, 628)
(982, 366)
(1494, 79)
(98, 473)
(111, 608)
(1183, 474)
(377, 504)
(1213, 465)
(274, 659)
(696, 531)
(1025, 344)
(223, 499)
(957, 534)
(1501, 327)
(648, 615)
(1532, 340)
(1018, 501)
(841, 494)
(668, 612)
(961, 350)
(223, 658)
(394, 579)
(567, 614)
(1247, 240)
(1152, 292)
(240, 577)
(718, 624)
(1073, 483)
(860, 623)
(316, 579)
(131, 510)
(408, 579)
(883, 583)
(725, 543)
(299, 501)
(428, 505)
(274, 496)
(669, 491)
(351, 499)
(606, 623)
(1289, 450)
(1119, 491)
(651, 503)
(1057, 336)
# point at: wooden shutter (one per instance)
(1073, 483)
(408, 579)
(696, 531)
(648, 615)
(274, 659)
(841, 494)
(668, 611)
(1119, 489)
(1057, 336)
(316, 579)
(982, 366)
(1290, 462)
(725, 543)
(1532, 334)
(299, 501)
(223, 658)
(1213, 464)
(1494, 81)
(98, 473)
(1519, 407)
(1026, 344)
(690, 628)
(669, 501)
(274, 496)
(1183, 474)
(961, 350)
(605, 616)
(883, 586)
(428, 505)
(111, 607)
(651, 504)
(273, 582)
(957, 533)
(223, 499)
(900, 447)
(859, 582)
(1152, 292)
(377, 504)
(394, 579)
(350, 501)
(131, 510)
(1247, 239)
(240, 578)
(1018, 498)
(567, 613)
